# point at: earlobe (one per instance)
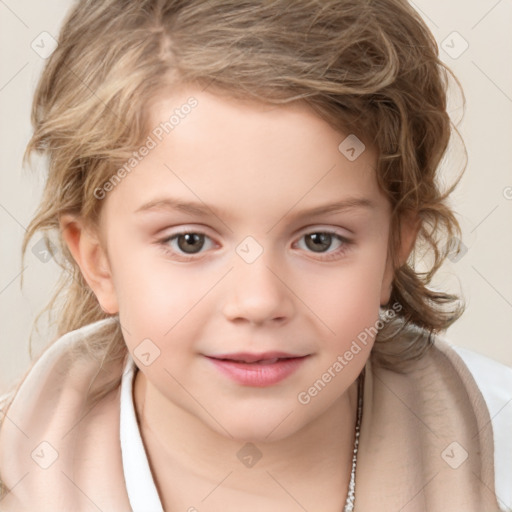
(86, 249)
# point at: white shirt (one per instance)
(137, 474)
(493, 379)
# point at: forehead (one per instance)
(217, 113)
(246, 155)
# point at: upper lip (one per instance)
(251, 358)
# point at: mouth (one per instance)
(257, 370)
(261, 358)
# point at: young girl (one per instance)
(293, 360)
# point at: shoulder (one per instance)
(494, 381)
(67, 390)
(493, 378)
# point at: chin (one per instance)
(258, 425)
(252, 434)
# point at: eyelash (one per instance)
(346, 244)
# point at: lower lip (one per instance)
(258, 375)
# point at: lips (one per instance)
(261, 358)
(257, 370)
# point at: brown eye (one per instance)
(318, 242)
(329, 245)
(190, 243)
(186, 243)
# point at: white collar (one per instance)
(140, 486)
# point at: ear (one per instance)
(409, 227)
(88, 252)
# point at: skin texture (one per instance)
(260, 166)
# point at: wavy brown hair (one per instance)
(370, 68)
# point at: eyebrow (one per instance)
(203, 210)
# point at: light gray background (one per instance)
(483, 200)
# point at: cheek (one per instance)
(160, 301)
(352, 291)
(145, 287)
(349, 307)
(353, 307)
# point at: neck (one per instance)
(320, 451)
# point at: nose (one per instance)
(257, 293)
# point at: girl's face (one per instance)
(216, 252)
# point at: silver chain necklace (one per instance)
(351, 496)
